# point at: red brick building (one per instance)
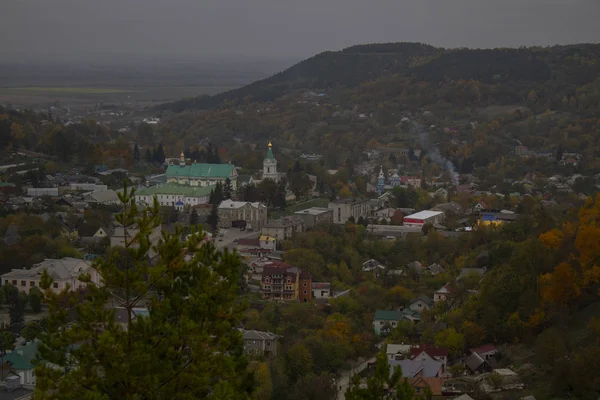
(281, 281)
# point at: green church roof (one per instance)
(270, 155)
(388, 315)
(169, 188)
(208, 171)
(22, 357)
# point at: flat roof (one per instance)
(314, 211)
(424, 214)
(349, 200)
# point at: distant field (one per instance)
(69, 90)
(79, 97)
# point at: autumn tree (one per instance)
(560, 287)
(187, 346)
(452, 340)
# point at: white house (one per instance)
(65, 271)
(174, 195)
(427, 353)
(397, 351)
(420, 304)
(443, 293)
(321, 290)
(21, 361)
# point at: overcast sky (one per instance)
(279, 29)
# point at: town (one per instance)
(259, 216)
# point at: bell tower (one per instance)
(270, 165)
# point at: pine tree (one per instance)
(160, 154)
(194, 217)
(216, 195)
(186, 346)
(136, 153)
(227, 189)
(213, 218)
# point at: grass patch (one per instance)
(69, 90)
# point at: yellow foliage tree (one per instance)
(345, 191)
(400, 294)
(552, 239)
(560, 287)
(338, 328)
(262, 374)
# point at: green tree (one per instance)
(216, 195)
(299, 362)
(33, 330)
(16, 305)
(307, 260)
(382, 385)
(213, 218)
(7, 342)
(35, 300)
(136, 153)
(194, 217)
(451, 340)
(227, 189)
(186, 347)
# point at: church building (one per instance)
(270, 166)
(201, 174)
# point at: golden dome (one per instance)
(270, 145)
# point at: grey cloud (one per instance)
(209, 29)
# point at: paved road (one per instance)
(344, 380)
(230, 235)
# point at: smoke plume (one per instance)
(434, 155)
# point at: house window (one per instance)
(267, 280)
(305, 292)
(14, 282)
(23, 283)
(268, 343)
(55, 285)
(31, 283)
(305, 284)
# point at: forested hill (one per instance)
(557, 65)
(331, 69)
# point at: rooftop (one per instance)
(424, 214)
(65, 268)
(201, 170)
(248, 242)
(431, 351)
(17, 394)
(388, 315)
(174, 189)
(284, 221)
(231, 204)
(314, 211)
(259, 335)
(349, 200)
(412, 368)
(102, 196)
(21, 357)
